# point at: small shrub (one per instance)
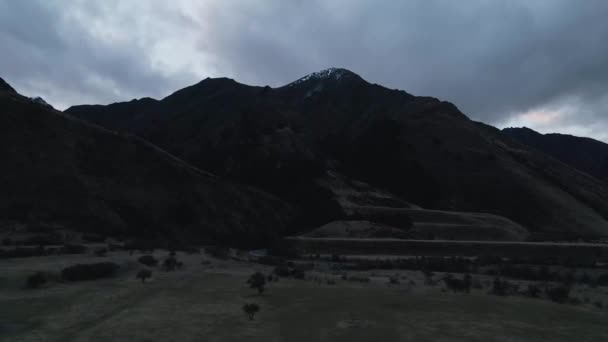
(458, 285)
(281, 271)
(81, 272)
(559, 293)
(251, 309)
(598, 304)
(192, 250)
(95, 238)
(503, 287)
(219, 252)
(533, 291)
(143, 275)
(170, 264)
(115, 247)
(361, 279)
(148, 260)
(36, 280)
(298, 273)
(602, 279)
(43, 240)
(74, 249)
(257, 281)
(101, 252)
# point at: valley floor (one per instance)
(202, 302)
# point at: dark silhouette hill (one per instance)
(586, 154)
(59, 172)
(422, 150)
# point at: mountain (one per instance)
(59, 172)
(5, 87)
(421, 150)
(585, 154)
(39, 100)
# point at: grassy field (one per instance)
(203, 303)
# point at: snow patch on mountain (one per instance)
(335, 73)
(39, 100)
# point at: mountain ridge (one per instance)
(586, 154)
(421, 149)
(61, 172)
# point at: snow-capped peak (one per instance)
(39, 100)
(335, 73)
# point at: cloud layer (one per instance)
(536, 63)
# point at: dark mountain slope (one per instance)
(419, 148)
(62, 172)
(5, 87)
(585, 154)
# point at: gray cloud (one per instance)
(498, 61)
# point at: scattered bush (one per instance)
(219, 252)
(74, 249)
(251, 309)
(598, 304)
(394, 280)
(148, 260)
(143, 275)
(271, 260)
(298, 273)
(101, 252)
(115, 247)
(257, 281)
(458, 285)
(192, 250)
(144, 245)
(22, 252)
(170, 264)
(94, 238)
(602, 279)
(81, 272)
(43, 240)
(282, 271)
(533, 291)
(36, 280)
(503, 287)
(559, 293)
(361, 279)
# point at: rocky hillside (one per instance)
(60, 172)
(585, 154)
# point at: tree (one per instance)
(257, 281)
(170, 264)
(143, 275)
(251, 309)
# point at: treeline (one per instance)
(25, 252)
(514, 269)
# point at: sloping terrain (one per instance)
(585, 154)
(420, 149)
(60, 172)
(372, 212)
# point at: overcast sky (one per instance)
(542, 64)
